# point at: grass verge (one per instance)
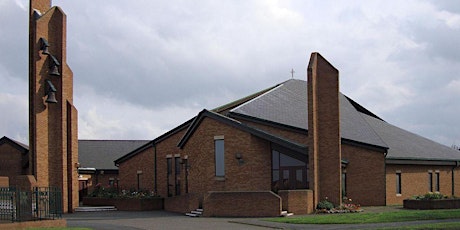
(444, 225)
(367, 218)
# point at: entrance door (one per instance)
(293, 177)
(289, 172)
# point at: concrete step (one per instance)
(192, 215)
(286, 213)
(95, 209)
(196, 213)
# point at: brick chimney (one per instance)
(53, 119)
(324, 130)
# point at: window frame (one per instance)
(219, 157)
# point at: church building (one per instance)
(289, 147)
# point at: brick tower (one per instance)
(52, 116)
(324, 130)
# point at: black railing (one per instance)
(25, 205)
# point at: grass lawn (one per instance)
(367, 218)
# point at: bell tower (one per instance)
(52, 115)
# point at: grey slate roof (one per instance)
(287, 104)
(100, 154)
(406, 145)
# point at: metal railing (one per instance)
(40, 203)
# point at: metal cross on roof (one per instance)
(292, 73)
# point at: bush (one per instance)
(325, 204)
(430, 196)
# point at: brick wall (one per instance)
(242, 203)
(365, 175)
(297, 201)
(142, 163)
(10, 161)
(182, 204)
(414, 181)
(324, 129)
(252, 175)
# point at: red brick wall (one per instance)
(182, 204)
(297, 201)
(128, 171)
(10, 161)
(324, 129)
(365, 175)
(247, 203)
(164, 148)
(254, 174)
(414, 180)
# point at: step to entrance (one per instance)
(196, 213)
(96, 209)
(286, 213)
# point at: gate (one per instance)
(42, 203)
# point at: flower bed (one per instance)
(431, 201)
(325, 206)
(124, 200)
(126, 204)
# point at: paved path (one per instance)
(165, 220)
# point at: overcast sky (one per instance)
(143, 67)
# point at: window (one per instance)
(430, 181)
(219, 157)
(436, 181)
(177, 174)
(169, 172)
(398, 183)
(288, 172)
(344, 183)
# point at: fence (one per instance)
(25, 205)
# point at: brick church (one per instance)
(287, 148)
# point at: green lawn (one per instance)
(366, 218)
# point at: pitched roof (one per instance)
(406, 145)
(20, 146)
(237, 124)
(100, 154)
(286, 104)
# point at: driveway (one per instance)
(166, 220)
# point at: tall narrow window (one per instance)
(430, 181)
(344, 183)
(436, 178)
(185, 162)
(177, 174)
(169, 172)
(219, 157)
(398, 183)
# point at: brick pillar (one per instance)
(324, 130)
(52, 126)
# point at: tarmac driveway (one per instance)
(166, 220)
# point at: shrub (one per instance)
(430, 196)
(325, 204)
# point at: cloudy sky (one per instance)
(143, 67)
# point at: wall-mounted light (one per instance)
(50, 92)
(44, 46)
(77, 165)
(54, 64)
(239, 157)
